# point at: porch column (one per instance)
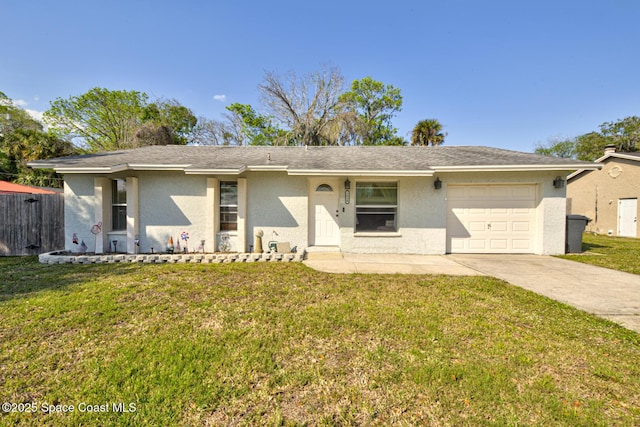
(101, 211)
(213, 214)
(133, 211)
(242, 215)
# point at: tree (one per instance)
(176, 119)
(308, 108)
(590, 146)
(566, 148)
(254, 128)
(375, 105)
(428, 132)
(625, 133)
(22, 140)
(105, 120)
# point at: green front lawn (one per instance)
(618, 253)
(281, 344)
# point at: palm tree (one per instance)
(428, 132)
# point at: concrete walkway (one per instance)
(607, 293)
(336, 262)
(611, 294)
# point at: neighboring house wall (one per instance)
(596, 194)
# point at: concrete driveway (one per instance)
(611, 294)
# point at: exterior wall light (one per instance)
(347, 192)
(437, 184)
(558, 182)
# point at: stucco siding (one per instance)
(171, 203)
(420, 217)
(277, 203)
(595, 194)
(79, 211)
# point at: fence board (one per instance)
(31, 223)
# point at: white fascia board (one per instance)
(517, 168)
(89, 169)
(351, 172)
(152, 167)
(277, 168)
(207, 171)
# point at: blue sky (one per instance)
(507, 74)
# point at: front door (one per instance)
(627, 217)
(325, 214)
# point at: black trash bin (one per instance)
(576, 225)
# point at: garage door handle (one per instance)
(488, 226)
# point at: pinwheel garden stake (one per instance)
(95, 230)
(185, 236)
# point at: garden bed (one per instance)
(65, 257)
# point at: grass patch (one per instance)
(617, 253)
(281, 344)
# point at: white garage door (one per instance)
(491, 218)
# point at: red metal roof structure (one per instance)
(11, 188)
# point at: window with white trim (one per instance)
(228, 206)
(376, 206)
(118, 204)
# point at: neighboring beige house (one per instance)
(410, 200)
(609, 197)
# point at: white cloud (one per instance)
(19, 102)
(220, 98)
(35, 114)
(36, 98)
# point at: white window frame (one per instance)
(116, 206)
(227, 209)
(383, 209)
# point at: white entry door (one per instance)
(325, 210)
(627, 217)
(491, 218)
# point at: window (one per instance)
(324, 187)
(228, 206)
(118, 205)
(376, 206)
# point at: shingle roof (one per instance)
(359, 158)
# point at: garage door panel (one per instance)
(521, 226)
(521, 244)
(499, 244)
(478, 211)
(498, 226)
(499, 192)
(491, 218)
(477, 226)
(477, 244)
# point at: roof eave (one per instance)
(516, 168)
(355, 172)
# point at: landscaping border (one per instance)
(60, 257)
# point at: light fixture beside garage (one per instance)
(437, 184)
(347, 192)
(558, 182)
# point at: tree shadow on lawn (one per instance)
(23, 276)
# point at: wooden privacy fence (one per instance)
(31, 223)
